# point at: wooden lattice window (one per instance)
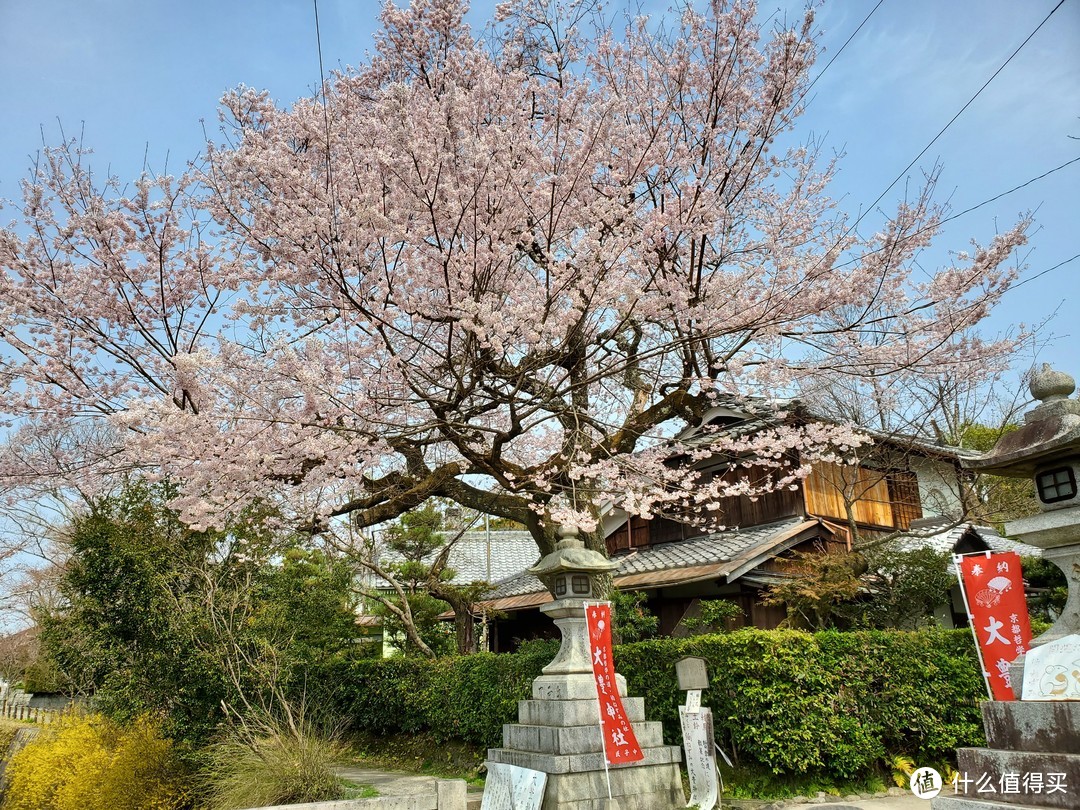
(904, 494)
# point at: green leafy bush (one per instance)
(91, 763)
(831, 703)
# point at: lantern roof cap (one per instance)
(1051, 430)
(571, 556)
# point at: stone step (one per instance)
(990, 765)
(583, 712)
(648, 787)
(578, 763)
(660, 800)
(573, 739)
(1052, 726)
(943, 802)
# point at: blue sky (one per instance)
(140, 77)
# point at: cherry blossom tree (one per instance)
(501, 268)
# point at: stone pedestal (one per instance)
(1023, 738)
(558, 732)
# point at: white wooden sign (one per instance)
(693, 701)
(1052, 670)
(509, 787)
(697, 729)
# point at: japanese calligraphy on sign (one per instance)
(994, 592)
(698, 741)
(1052, 671)
(509, 787)
(620, 744)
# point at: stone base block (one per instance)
(578, 763)
(640, 787)
(570, 687)
(973, 763)
(573, 739)
(583, 712)
(1050, 726)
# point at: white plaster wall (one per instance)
(938, 488)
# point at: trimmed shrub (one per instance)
(90, 763)
(834, 703)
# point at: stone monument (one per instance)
(1032, 758)
(558, 730)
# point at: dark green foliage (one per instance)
(419, 538)
(433, 631)
(905, 588)
(123, 635)
(633, 621)
(463, 697)
(714, 616)
(830, 703)
(157, 619)
(306, 602)
(1047, 587)
(822, 594)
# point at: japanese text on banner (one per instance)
(994, 590)
(620, 744)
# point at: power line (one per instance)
(326, 113)
(1042, 273)
(835, 55)
(953, 119)
(1011, 190)
(975, 207)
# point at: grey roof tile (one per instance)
(946, 541)
(512, 552)
(714, 548)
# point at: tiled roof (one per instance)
(511, 553)
(759, 414)
(713, 548)
(945, 541)
(718, 553)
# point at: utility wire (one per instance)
(1042, 273)
(953, 119)
(1011, 190)
(326, 113)
(331, 192)
(810, 86)
(975, 207)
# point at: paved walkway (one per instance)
(395, 783)
(908, 802)
(399, 783)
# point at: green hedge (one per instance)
(831, 703)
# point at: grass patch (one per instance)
(417, 753)
(267, 761)
(352, 790)
(756, 782)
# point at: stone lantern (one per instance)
(558, 730)
(1033, 743)
(571, 573)
(1047, 450)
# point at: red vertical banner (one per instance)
(994, 593)
(620, 744)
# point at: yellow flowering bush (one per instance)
(90, 763)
